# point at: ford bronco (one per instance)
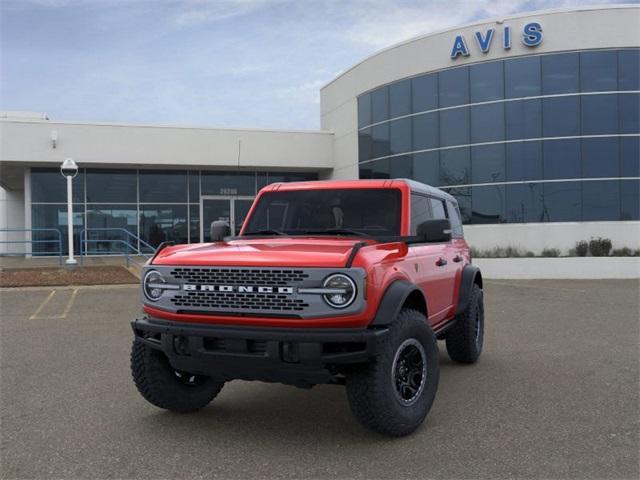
(343, 282)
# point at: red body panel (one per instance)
(383, 263)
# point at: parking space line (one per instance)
(65, 312)
(42, 305)
(69, 304)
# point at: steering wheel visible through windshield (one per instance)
(366, 212)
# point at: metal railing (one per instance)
(57, 241)
(132, 244)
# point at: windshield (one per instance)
(366, 212)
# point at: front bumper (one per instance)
(301, 357)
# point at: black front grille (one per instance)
(270, 302)
(235, 276)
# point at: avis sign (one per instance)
(531, 37)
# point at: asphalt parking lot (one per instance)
(555, 395)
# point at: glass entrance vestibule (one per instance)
(154, 205)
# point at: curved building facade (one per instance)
(527, 120)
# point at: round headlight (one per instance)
(341, 291)
(151, 285)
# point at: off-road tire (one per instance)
(464, 341)
(159, 384)
(371, 388)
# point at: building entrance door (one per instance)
(232, 210)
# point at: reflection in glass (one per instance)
(523, 119)
(48, 185)
(170, 186)
(53, 216)
(523, 161)
(111, 221)
(629, 203)
(488, 204)
(380, 140)
(194, 186)
(454, 87)
(562, 202)
(525, 203)
(600, 157)
(522, 77)
(162, 223)
(487, 164)
(630, 157)
(561, 159)
(455, 166)
(454, 127)
(112, 186)
(380, 105)
(463, 196)
(426, 168)
(601, 200)
(629, 69)
(561, 116)
(194, 223)
(400, 135)
(401, 167)
(560, 73)
(365, 147)
(599, 114)
(487, 123)
(424, 93)
(599, 71)
(400, 98)
(629, 112)
(364, 110)
(487, 81)
(425, 131)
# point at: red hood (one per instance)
(273, 252)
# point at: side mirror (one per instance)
(219, 230)
(438, 230)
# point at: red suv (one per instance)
(344, 282)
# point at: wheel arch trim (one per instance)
(394, 298)
(471, 275)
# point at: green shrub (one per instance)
(581, 248)
(625, 252)
(550, 252)
(600, 247)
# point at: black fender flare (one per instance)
(470, 275)
(392, 302)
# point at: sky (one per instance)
(219, 63)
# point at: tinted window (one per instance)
(524, 203)
(437, 208)
(372, 211)
(364, 110)
(561, 159)
(454, 87)
(400, 98)
(400, 135)
(161, 223)
(487, 122)
(455, 167)
(426, 168)
(53, 216)
(194, 187)
(454, 127)
(629, 112)
(229, 183)
(488, 204)
(522, 77)
(48, 185)
(599, 114)
(523, 119)
(380, 105)
(524, 161)
(629, 200)
(420, 211)
(629, 70)
(401, 167)
(630, 156)
(194, 223)
(560, 73)
(600, 157)
(117, 186)
(163, 186)
(487, 81)
(598, 71)
(601, 200)
(487, 164)
(425, 131)
(365, 145)
(424, 91)
(562, 201)
(380, 140)
(456, 221)
(113, 219)
(561, 116)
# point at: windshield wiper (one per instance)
(268, 231)
(336, 231)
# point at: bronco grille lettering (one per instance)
(238, 289)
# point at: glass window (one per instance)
(601, 200)
(599, 114)
(561, 116)
(364, 110)
(112, 186)
(487, 204)
(524, 203)
(54, 217)
(437, 208)
(463, 196)
(561, 159)
(48, 185)
(379, 169)
(194, 186)
(162, 223)
(487, 122)
(629, 69)
(229, 183)
(523, 161)
(487, 81)
(365, 145)
(163, 186)
(194, 223)
(420, 211)
(400, 98)
(630, 156)
(487, 164)
(523, 119)
(401, 167)
(456, 221)
(111, 222)
(380, 140)
(380, 105)
(562, 201)
(425, 131)
(454, 87)
(522, 77)
(560, 73)
(455, 166)
(424, 93)
(599, 71)
(600, 157)
(400, 135)
(629, 112)
(426, 168)
(629, 200)
(454, 127)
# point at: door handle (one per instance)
(441, 262)
(457, 258)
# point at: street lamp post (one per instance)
(69, 170)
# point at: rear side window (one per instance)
(454, 218)
(420, 211)
(437, 207)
